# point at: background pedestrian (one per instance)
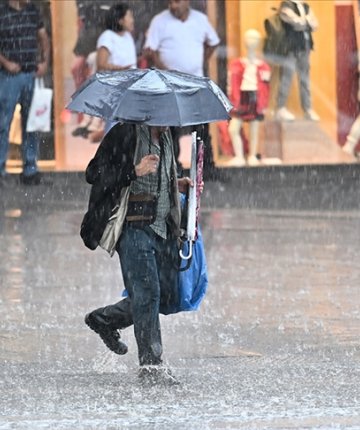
(22, 36)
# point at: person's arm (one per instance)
(211, 42)
(153, 58)
(8, 65)
(184, 184)
(208, 52)
(297, 22)
(44, 43)
(153, 44)
(102, 61)
(312, 20)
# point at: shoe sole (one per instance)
(94, 328)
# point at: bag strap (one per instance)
(39, 83)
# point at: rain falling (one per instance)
(273, 340)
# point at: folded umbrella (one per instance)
(153, 97)
(193, 204)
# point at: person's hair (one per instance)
(115, 13)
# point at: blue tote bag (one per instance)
(193, 282)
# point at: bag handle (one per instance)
(39, 82)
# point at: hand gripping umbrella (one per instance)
(196, 175)
(153, 97)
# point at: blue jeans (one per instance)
(149, 266)
(14, 89)
(295, 62)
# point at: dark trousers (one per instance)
(149, 267)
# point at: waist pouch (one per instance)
(141, 209)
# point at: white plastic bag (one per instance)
(39, 115)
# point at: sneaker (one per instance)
(283, 114)
(109, 336)
(157, 375)
(33, 179)
(311, 115)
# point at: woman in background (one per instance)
(115, 46)
(115, 50)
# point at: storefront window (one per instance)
(295, 135)
(271, 139)
(78, 24)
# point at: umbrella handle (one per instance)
(187, 257)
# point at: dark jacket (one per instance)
(295, 40)
(111, 169)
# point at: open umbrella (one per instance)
(153, 97)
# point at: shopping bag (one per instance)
(193, 282)
(39, 115)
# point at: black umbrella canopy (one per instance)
(153, 97)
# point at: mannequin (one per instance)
(352, 139)
(249, 93)
(299, 22)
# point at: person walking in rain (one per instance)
(22, 33)
(138, 163)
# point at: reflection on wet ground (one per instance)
(275, 344)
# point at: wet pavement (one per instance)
(275, 344)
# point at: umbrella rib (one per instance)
(177, 107)
(162, 77)
(167, 83)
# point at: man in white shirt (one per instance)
(181, 38)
